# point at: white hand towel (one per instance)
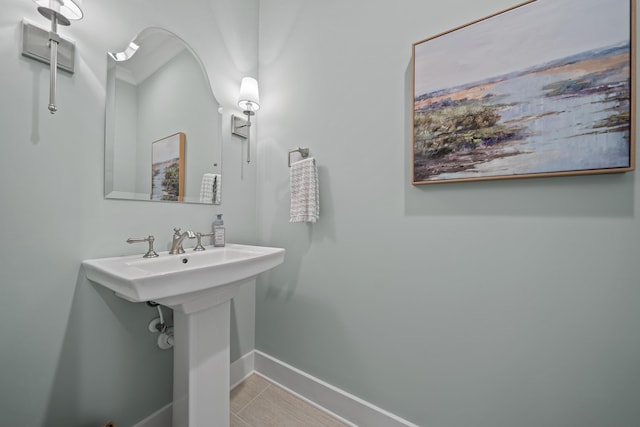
(217, 189)
(211, 188)
(305, 203)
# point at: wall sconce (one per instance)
(36, 42)
(249, 101)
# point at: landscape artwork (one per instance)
(167, 168)
(542, 89)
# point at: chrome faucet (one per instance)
(176, 244)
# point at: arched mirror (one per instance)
(163, 139)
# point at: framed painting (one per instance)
(167, 168)
(545, 88)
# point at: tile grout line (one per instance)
(237, 414)
(277, 386)
(244, 423)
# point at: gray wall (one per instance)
(125, 139)
(73, 354)
(192, 111)
(495, 304)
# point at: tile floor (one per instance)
(257, 402)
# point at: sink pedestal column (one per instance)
(198, 287)
(201, 367)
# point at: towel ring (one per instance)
(304, 152)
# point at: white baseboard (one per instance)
(350, 409)
(241, 369)
(345, 406)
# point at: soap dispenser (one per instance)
(218, 231)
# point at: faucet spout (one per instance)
(176, 244)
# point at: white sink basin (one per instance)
(198, 286)
(140, 279)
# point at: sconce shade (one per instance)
(68, 9)
(249, 99)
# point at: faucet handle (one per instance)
(199, 236)
(150, 253)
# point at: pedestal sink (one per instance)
(198, 286)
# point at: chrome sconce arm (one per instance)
(59, 12)
(54, 41)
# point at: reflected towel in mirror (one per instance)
(211, 188)
(305, 202)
